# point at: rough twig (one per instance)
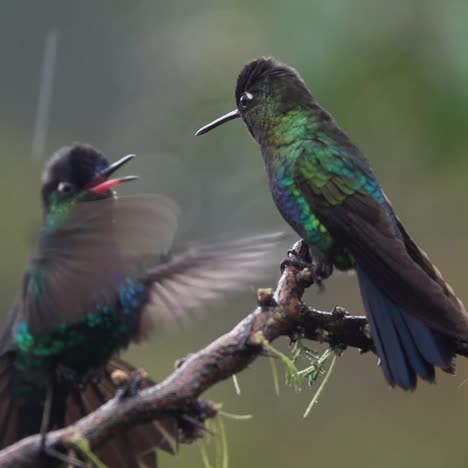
(279, 313)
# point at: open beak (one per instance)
(235, 114)
(102, 183)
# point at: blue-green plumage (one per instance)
(87, 344)
(326, 190)
(80, 304)
(103, 275)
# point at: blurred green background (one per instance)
(142, 76)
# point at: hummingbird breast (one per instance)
(295, 208)
(78, 348)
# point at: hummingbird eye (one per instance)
(245, 100)
(65, 187)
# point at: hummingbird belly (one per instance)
(297, 212)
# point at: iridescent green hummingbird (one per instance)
(104, 275)
(326, 190)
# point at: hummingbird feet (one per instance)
(322, 271)
(298, 257)
(129, 383)
(311, 271)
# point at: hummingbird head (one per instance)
(79, 172)
(266, 91)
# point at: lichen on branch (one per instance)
(279, 313)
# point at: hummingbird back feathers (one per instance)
(326, 190)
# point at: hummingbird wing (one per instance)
(200, 274)
(6, 333)
(83, 257)
(349, 202)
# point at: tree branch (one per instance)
(280, 313)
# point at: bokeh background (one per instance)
(142, 76)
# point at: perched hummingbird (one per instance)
(103, 275)
(326, 190)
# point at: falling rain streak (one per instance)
(46, 83)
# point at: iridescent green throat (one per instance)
(289, 135)
(59, 212)
(298, 150)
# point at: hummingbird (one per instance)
(326, 190)
(104, 274)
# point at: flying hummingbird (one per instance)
(326, 190)
(104, 275)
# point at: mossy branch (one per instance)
(279, 313)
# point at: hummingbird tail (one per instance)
(137, 446)
(407, 347)
(19, 419)
(9, 411)
(130, 450)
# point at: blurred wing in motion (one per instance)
(83, 256)
(190, 280)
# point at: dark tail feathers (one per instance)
(407, 348)
(130, 450)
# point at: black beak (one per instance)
(106, 173)
(235, 114)
(102, 183)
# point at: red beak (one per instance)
(102, 183)
(110, 184)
